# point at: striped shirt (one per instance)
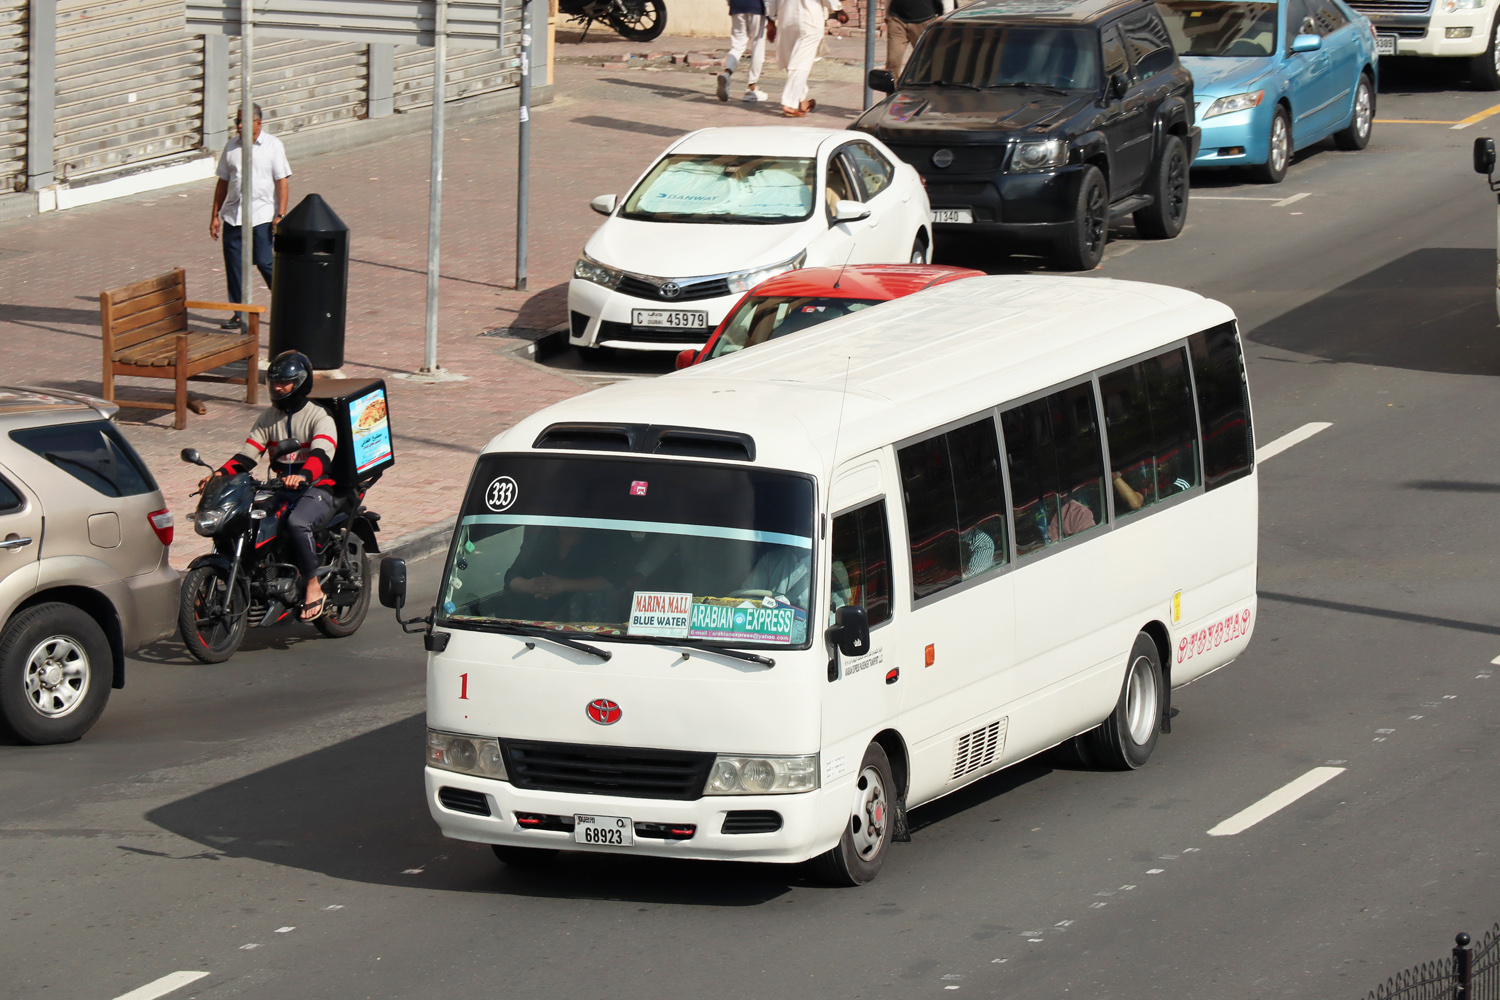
(311, 427)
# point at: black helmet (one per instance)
(293, 367)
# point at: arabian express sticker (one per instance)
(726, 619)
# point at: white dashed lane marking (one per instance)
(163, 986)
(1293, 439)
(1275, 802)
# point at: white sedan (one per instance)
(724, 209)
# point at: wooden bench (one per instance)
(146, 335)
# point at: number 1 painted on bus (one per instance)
(463, 693)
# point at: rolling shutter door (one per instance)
(13, 54)
(303, 83)
(129, 84)
(470, 72)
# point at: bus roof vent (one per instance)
(592, 437)
(697, 442)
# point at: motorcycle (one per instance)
(249, 581)
(634, 20)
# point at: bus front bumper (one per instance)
(810, 822)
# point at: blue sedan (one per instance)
(1272, 78)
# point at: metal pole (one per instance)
(869, 51)
(247, 174)
(435, 183)
(523, 147)
(1463, 967)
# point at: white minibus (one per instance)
(760, 608)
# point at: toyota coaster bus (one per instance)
(758, 609)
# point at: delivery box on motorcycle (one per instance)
(358, 407)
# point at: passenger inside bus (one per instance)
(557, 570)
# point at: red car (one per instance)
(797, 300)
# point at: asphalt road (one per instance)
(262, 821)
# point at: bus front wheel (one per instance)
(861, 851)
(1125, 740)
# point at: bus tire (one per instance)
(861, 851)
(1125, 740)
(524, 857)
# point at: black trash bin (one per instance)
(310, 283)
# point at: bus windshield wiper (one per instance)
(738, 654)
(507, 628)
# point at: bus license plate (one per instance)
(1385, 45)
(604, 831)
(952, 215)
(671, 319)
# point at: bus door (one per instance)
(859, 697)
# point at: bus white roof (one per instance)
(883, 375)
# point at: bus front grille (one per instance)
(601, 770)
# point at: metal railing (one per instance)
(1471, 973)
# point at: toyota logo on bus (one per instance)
(604, 712)
(670, 290)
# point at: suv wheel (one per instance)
(55, 668)
(1484, 69)
(1164, 218)
(1278, 150)
(1081, 245)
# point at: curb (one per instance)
(424, 542)
(548, 345)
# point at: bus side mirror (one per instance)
(1484, 155)
(881, 80)
(850, 631)
(393, 582)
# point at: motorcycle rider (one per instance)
(289, 418)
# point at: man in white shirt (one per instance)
(798, 27)
(269, 194)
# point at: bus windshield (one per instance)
(634, 548)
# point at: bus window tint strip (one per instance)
(862, 562)
(955, 506)
(1223, 405)
(1153, 434)
(1056, 466)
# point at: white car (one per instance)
(722, 210)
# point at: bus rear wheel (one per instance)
(861, 851)
(1125, 740)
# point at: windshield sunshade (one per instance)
(985, 56)
(730, 189)
(1220, 29)
(634, 548)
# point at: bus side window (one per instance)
(955, 506)
(1056, 467)
(1153, 440)
(1223, 405)
(862, 562)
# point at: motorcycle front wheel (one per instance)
(638, 20)
(211, 621)
(340, 622)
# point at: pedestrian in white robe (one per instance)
(797, 27)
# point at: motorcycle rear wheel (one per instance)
(639, 20)
(340, 622)
(212, 637)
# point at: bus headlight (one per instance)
(762, 775)
(465, 754)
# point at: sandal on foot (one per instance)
(808, 105)
(313, 611)
(793, 113)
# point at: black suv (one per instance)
(1037, 119)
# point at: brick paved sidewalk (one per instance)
(599, 134)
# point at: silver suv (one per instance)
(84, 576)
